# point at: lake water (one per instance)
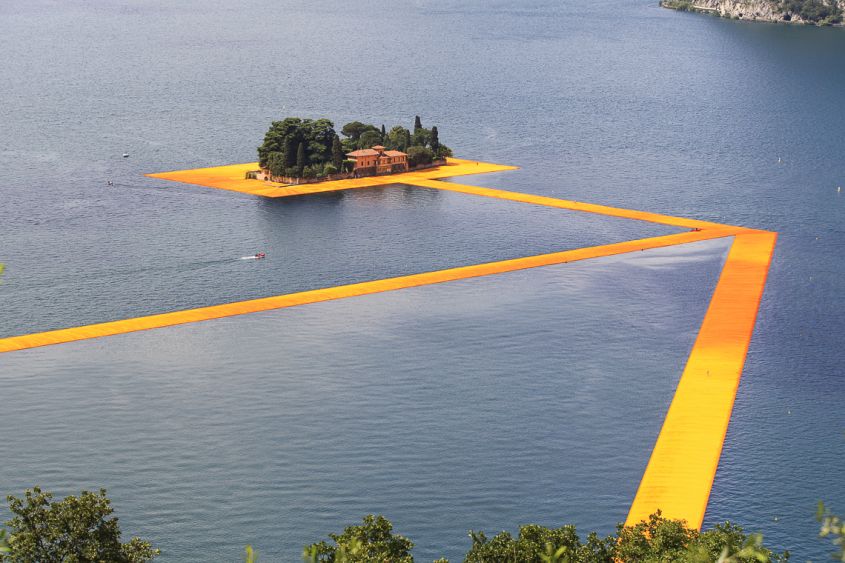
(531, 396)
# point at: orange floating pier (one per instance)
(232, 178)
(683, 463)
(339, 292)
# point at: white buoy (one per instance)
(838, 189)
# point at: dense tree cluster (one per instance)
(82, 530)
(656, 541)
(310, 148)
(74, 529)
(824, 12)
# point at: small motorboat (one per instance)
(259, 256)
(126, 155)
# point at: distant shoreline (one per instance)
(752, 10)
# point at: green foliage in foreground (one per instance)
(832, 527)
(72, 530)
(81, 530)
(373, 540)
(656, 541)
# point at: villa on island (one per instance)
(301, 151)
(377, 160)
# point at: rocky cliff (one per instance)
(813, 12)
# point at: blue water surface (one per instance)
(619, 102)
(477, 404)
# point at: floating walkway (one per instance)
(683, 463)
(112, 328)
(232, 178)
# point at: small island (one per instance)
(301, 151)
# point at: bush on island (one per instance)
(310, 171)
(443, 151)
(419, 155)
(276, 163)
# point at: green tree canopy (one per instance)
(657, 541)
(422, 137)
(355, 129)
(276, 163)
(372, 541)
(316, 136)
(300, 158)
(369, 139)
(72, 530)
(816, 11)
(337, 152)
(419, 155)
(281, 136)
(293, 144)
(397, 138)
(660, 539)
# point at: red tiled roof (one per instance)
(363, 152)
(395, 153)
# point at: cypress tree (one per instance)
(337, 152)
(407, 140)
(417, 124)
(300, 159)
(435, 142)
(290, 151)
(383, 135)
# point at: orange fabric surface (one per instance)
(683, 463)
(568, 204)
(289, 300)
(681, 469)
(231, 177)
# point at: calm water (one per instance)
(281, 427)
(477, 404)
